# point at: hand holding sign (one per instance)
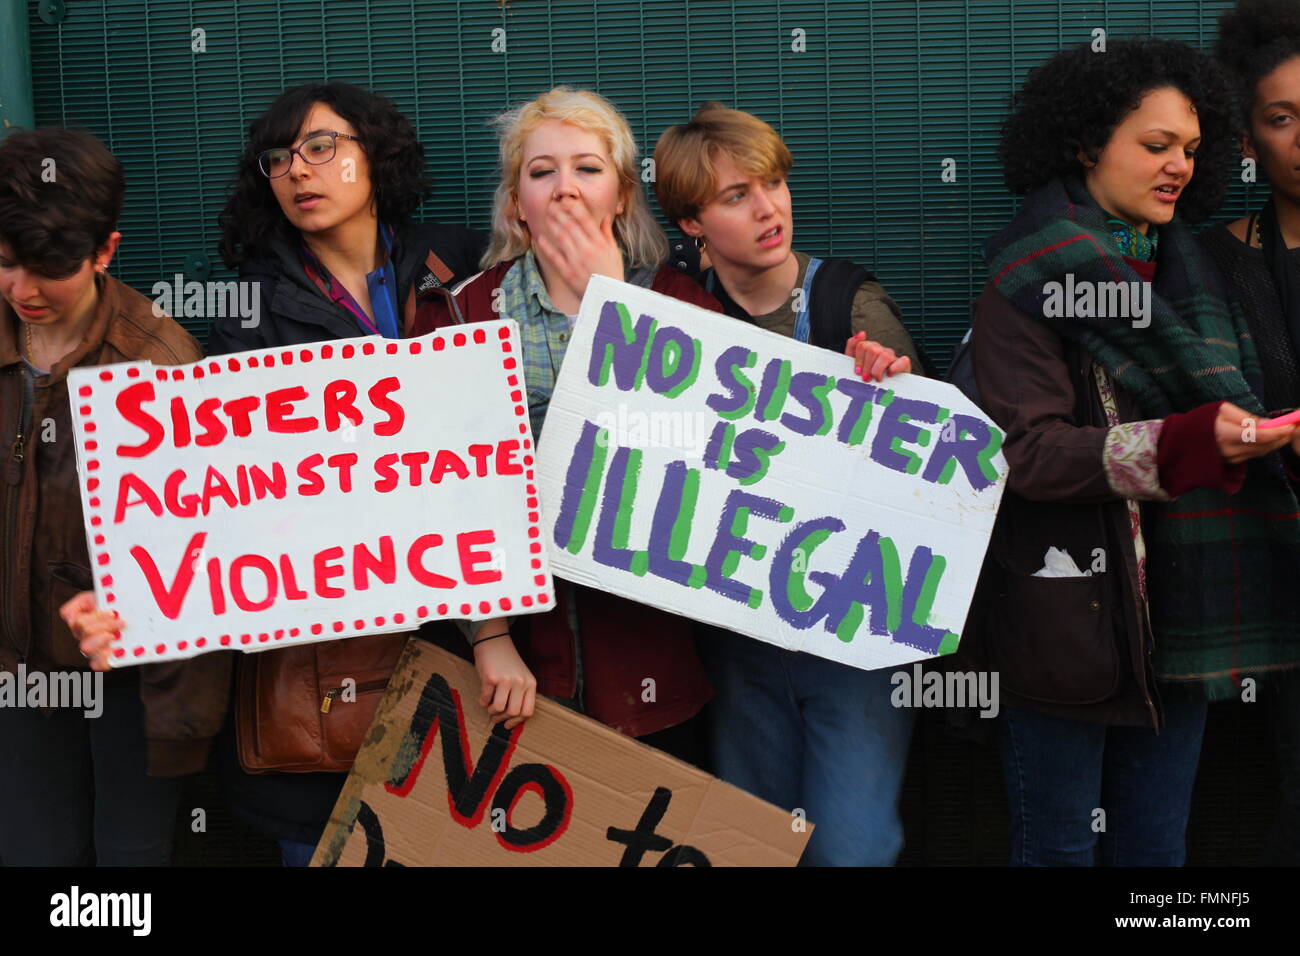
(872, 360)
(314, 493)
(95, 630)
(508, 689)
(737, 477)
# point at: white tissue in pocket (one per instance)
(1057, 563)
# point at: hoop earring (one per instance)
(701, 243)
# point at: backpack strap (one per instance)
(802, 324)
(833, 289)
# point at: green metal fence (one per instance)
(871, 97)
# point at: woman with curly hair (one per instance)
(320, 219)
(1106, 350)
(569, 205)
(1259, 255)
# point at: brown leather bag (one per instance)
(293, 712)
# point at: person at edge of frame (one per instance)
(1129, 428)
(1259, 256)
(569, 205)
(320, 217)
(797, 730)
(96, 782)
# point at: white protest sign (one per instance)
(311, 493)
(734, 476)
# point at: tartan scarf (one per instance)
(1223, 601)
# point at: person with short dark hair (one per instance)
(1133, 572)
(76, 786)
(1259, 256)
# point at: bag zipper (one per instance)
(328, 700)
(16, 467)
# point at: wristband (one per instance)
(488, 638)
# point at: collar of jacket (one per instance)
(297, 295)
(108, 304)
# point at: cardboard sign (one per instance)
(307, 494)
(435, 785)
(735, 476)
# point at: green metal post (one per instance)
(15, 67)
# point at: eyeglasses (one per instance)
(317, 151)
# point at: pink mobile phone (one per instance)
(1290, 418)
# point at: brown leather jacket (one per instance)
(43, 555)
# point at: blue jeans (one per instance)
(803, 732)
(1076, 786)
(1283, 846)
(73, 790)
(293, 853)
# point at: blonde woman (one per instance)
(568, 206)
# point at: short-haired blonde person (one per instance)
(569, 205)
(795, 729)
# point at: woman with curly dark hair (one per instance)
(1106, 350)
(1259, 255)
(320, 218)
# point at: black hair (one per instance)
(252, 216)
(1073, 102)
(60, 195)
(1255, 38)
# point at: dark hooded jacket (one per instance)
(294, 311)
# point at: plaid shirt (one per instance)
(542, 327)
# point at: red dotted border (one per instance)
(324, 351)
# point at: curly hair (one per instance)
(252, 217)
(1073, 102)
(60, 196)
(1255, 38)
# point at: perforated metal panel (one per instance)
(880, 96)
(883, 93)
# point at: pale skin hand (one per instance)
(94, 629)
(872, 360)
(508, 687)
(577, 247)
(1230, 431)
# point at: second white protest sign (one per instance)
(732, 475)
